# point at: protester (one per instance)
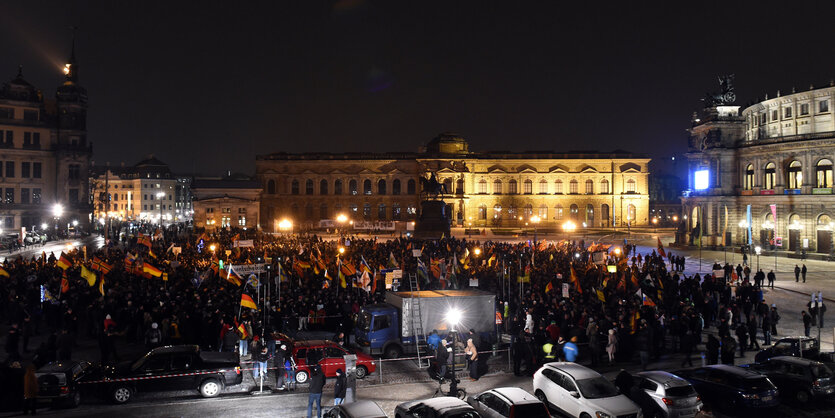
(340, 387)
(317, 382)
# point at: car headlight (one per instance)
(601, 414)
(750, 396)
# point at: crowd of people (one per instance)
(568, 300)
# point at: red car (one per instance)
(330, 357)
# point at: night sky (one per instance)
(208, 85)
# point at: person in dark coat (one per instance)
(317, 382)
(753, 344)
(796, 273)
(712, 348)
(728, 350)
(340, 387)
(742, 336)
(442, 356)
(30, 390)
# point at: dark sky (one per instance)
(208, 85)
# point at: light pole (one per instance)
(160, 196)
(341, 218)
(569, 227)
(535, 220)
(453, 316)
(655, 224)
(758, 250)
(57, 212)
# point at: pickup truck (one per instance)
(179, 367)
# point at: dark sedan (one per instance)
(800, 379)
(731, 386)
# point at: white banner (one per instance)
(247, 269)
(374, 225)
(242, 243)
(565, 290)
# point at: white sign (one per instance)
(805, 243)
(565, 290)
(247, 269)
(376, 225)
(416, 252)
(176, 250)
(718, 273)
(243, 243)
(473, 282)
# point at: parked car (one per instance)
(805, 347)
(330, 356)
(735, 387)
(358, 409)
(179, 367)
(508, 402)
(442, 407)
(663, 394)
(797, 378)
(58, 382)
(576, 391)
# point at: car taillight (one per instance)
(667, 402)
(65, 390)
(237, 370)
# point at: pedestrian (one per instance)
(728, 350)
(807, 323)
(594, 342)
(642, 343)
(339, 388)
(612, 345)
(30, 390)
(65, 344)
(442, 356)
(260, 357)
(317, 382)
(712, 348)
(803, 272)
(766, 327)
(281, 374)
(753, 344)
(472, 359)
(821, 309)
(243, 342)
(153, 336)
(797, 273)
(771, 278)
(12, 339)
(433, 339)
(775, 318)
(742, 336)
(570, 350)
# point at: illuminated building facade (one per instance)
(775, 157)
(231, 201)
(483, 189)
(45, 154)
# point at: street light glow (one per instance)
(341, 250)
(453, 316)
(342, 218)
(477, 251)
(57, 210)
(212, 248)
(44, 226)
(285, 225)
(569, 226)
(535, 219)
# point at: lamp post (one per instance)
(655, 224)
(535, 220)
(453, 316)
(57, 211)
(758, 250)
(160, 196)
(569, 227)
(341, 218)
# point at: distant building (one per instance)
(144, 192)
(774, 157)
(483, 189)
(665, 199)
(221, 202)
(44, 153)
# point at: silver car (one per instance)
(666, 395)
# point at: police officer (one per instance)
(548, 351)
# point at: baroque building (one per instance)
(44, 153)
(226, 202)
(483, 189)
(763, 174)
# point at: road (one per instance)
(92, 242)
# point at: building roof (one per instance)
(20, 89)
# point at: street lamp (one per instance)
(341, 218)
(569, 227)
(453, 316)
(535, 220)
(477, 251)
(655, 224)
(160, 196)
(758, 250)
(57, 212)
(285, 225)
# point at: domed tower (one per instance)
(448, 143)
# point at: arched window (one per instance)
(824, 221)
(482, 186)
(482, 212)
(410, 187)
(497, 187)
(573, 212)
(572, 187)
(271, 186)
(294, 187)
(630, 186)
(769, 176)
(795, 174)
(748, 183)
(558, 187)
(459, 186)
(604, 214)
(395, 187)
(528, 187)
(794, 221)
(323, 187)
(528, 211)
(589, 186)
(590, 215)
(497, 211)
(823, 173)
(543, 186)
(512, 213)
(323, 211)
(308, 186)
(543, 212)
(381, 186)
(604, 186)
(366, 187)
(337, 186)
(366, 211)
(352, 187)
(558, 214)
(381, 212)
(511, 187)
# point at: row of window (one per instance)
(498, 187)
(226, 221)
(794, 175)
(27, 195)
(31, 140)
(225, 210)
(8, 113)
(762, 119)
(558, 213)
(27, 169)
(396, 214)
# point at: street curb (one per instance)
(801, 293)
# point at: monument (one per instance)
(433, 222)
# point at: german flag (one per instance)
(242, 331)
(101, 266)
(150, 269)
(247, 302)
(4, 272)
(64, 262)
(88, 275)
(101, 286)
(525, 277)
(549, 287)
(600, 296)
(143, 240)
(661, 251)
(575, 281)
(65, 285)
(347, 269)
